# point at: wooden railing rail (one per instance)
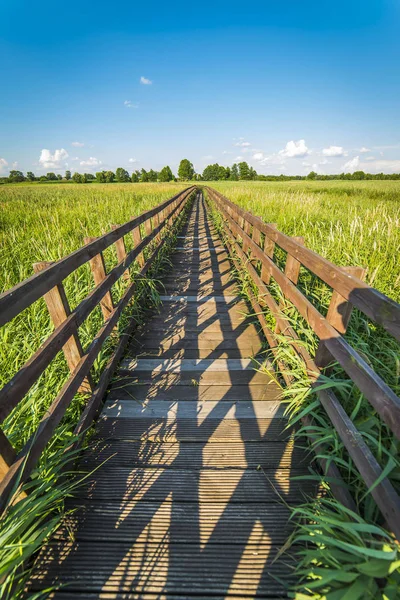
(48, 280)
(381, 397)
(15, 300)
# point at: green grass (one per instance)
(42, 222)
(346, 555)
(350, 223)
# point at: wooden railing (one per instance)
(48, 282)
(248, 236)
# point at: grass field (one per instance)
(350, 223)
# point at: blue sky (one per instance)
(288, 86)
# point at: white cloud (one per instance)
(381, 166)
(207, 157)
(351, 165)
(226, 152)
(295, 149)
(132, 160)
(145, 81)
(243, 144)
(369, 158)
(15, 165)
(334, 151)
(78, 144)
(258, 156)
(130, 104)
(52, 161)
(3, 165)
(91, 162)
(238, 159)
(364, 149)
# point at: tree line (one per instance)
(186, 172)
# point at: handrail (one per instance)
(159, 221)
(378, 307)
(237, 225)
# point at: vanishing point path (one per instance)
(191, 499)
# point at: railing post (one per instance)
(137, 238)
(121, 253)
(99, 273)
(148, 227)
(292, 271)
(256, 236)
(269, 247)
(59, 310)
(338, 315)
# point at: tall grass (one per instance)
(346, 555)
(46, 223)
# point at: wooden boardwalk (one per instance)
(190, 500)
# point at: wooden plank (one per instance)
(98, 268)
(137, 239)
(243, 430)
(181, 409)
(59, 310)
(197, 455)
(176, 366)
(121, 253)
(195, 391)
(269, 248)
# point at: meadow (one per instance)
(350, 223)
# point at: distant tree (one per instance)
(252, 173)
(227, 173)
(51, 176)
(16, 176)
(135, 177)
(76, 178)
(30, 176)
(109, 176)
(153, 175)
(185, 170)
(234, 172)
(359, 175)
(84, 178)
(89, 176)
(67, 175)
(222, 173)
(165, 174)
(101, 176)
(59, 177)
(43, 178)
(244, 171)
(122, 175)
(144, 176)
(311, 175)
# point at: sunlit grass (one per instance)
(346, 555)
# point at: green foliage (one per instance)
(51, 177)
(30, 176)
(185, 170)
(67, 175)
(152, 175)
(122, 175)
(135, 177)
(109, 176)
(16, 177)
(144, 176)
(234, 172)
(165, 174)
(344, 557)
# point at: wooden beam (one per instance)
(269, 248)
(59, 310)
(338, 315)
(121, 253)
(99, 274)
